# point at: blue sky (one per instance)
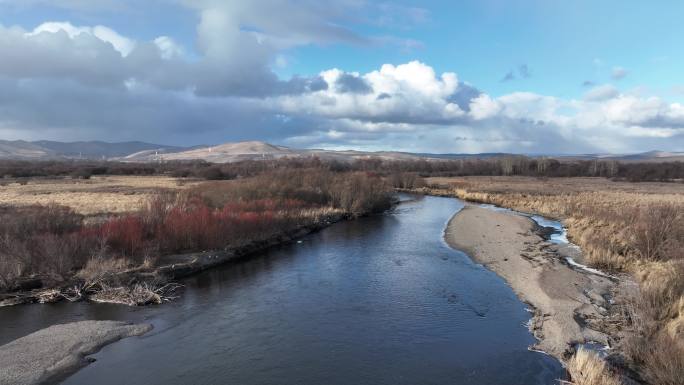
(564, 43)
(531, 75)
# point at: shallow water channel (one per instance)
(379, 300)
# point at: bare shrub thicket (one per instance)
(657, 322)
(54, 241)
(39, 240)
(469, 165)
(355, 193)
(406, 180)
(658, 231)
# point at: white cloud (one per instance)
(484, 107)
(168, 47)
(66, 79)
(406, 93)
(412, 98)
(120, 43)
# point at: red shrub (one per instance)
(197, 227)
(124, 235)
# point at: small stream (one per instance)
(379, 300)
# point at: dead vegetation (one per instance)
(636, 228)
(48, 246)
(587, 368)
(138, 294)
(99, 195)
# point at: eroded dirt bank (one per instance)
(570, 306)
(53, 353)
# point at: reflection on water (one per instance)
(381, 300)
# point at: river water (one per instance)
(379, 300)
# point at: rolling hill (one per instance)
(53, 150)
(253, 150)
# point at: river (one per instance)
(379, 300)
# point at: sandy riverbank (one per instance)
(569, 305)
(51, 354)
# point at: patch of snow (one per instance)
(574, 263)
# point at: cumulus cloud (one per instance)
(406, 93)
(59, 54)
(66, 81)
(604, 119)
(100, 56)
(412, 98)
(120, 43)
(484, 107)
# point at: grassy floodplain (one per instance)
(112, 194)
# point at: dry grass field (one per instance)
(95, 196)
(606, 218)
(632, 227)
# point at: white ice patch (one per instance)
(494, 208)
(559, 237)
(587, 268)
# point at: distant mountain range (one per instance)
(252, 150)
(47, 150)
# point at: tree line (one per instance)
(509, 165)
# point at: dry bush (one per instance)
(39, 240)
(587, 368)
(657, 231)
(656, 344)
(660, 359)
(356, 193)
(661, 285)
(11, 268)
(100, 267)
(406, 180)
(26, 221)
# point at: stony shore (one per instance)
(571, 306)
(51, 354)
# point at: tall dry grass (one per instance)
(637, 228)
(587, 368)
